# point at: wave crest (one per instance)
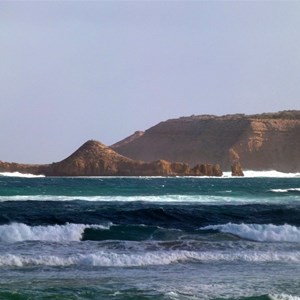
(113, 259)
(18, 232)
(260, 232)
(283, 297)
(285, 190)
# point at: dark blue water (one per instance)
(149, 238)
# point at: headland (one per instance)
(269, 141)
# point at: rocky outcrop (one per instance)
(22, 168)
(236, 170)
(95, 159)
(165, 168)
(91, 159)
(259, 142)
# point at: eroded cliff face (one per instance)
(95, 159)
(270, 144)
(258, 142)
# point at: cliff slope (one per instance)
(128, 139)
(258, 142)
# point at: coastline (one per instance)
(247, 174)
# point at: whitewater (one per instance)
(150, 237)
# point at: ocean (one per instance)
(150, 237)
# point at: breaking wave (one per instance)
(117, 198)
(227, 198)
(285, 190)
(18, 174)
(247, 174)
(260, 232)
(18, 232)
(270, 173)
(113, 259)
(283, 297)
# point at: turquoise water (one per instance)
(149, 238)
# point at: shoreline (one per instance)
(227, 174)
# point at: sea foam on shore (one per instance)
(269, 173)
(18, 174)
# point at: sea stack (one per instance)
(236, 170)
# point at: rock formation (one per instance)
(96, 159)
(22, 168)
(236, 170)
(92, 158)
(259, 142)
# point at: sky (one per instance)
(71, 71)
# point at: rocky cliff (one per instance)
(258, 142)
(95, 159)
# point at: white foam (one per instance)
(150, 198)
(113, 259)
(283, 297)
(182, 199)
(18, 174)
(18, 232)
(247, 174)
(285, 190)
(270, 173)
(261, 233)
(106, 259)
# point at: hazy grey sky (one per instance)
(75, 70)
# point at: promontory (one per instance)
(269, 141)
